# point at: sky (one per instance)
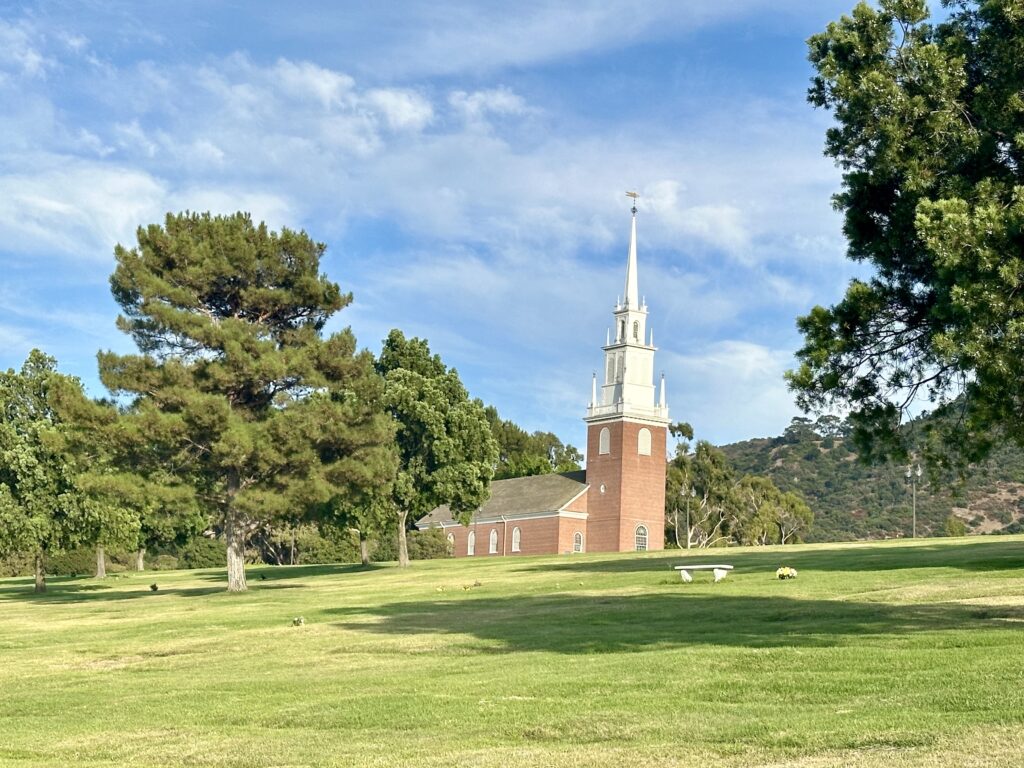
(465, 164)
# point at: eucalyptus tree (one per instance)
(446, 450)
(235, 389)
(929, 134)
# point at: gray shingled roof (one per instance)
(521, 496)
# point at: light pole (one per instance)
(913, 476)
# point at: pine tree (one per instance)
(236, 390)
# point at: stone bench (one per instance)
(719, 571)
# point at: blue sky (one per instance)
(465, 164)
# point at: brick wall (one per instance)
(540, 536)
(634, 488)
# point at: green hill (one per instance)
(852, 500)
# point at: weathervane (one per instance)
(633, 195)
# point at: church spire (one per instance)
(632, 297)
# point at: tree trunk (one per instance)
(291, 555)
(364, 549)
(40, 575)
(101, 562)
(403, 546)
(234, 536)
(676, 529)
(236, 554)
(140, 559)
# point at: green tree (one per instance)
(771, 516)
(49, 500)
(929, 133)
(521, 454)
(955, 526)
(718, 505)
(446, 451)
(236, 391)
(679, 490)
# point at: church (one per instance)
(617, 503)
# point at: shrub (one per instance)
(202, 552)
(74, 562)
(431, 544)
(955, 526)
(17, 565)
(314, 547)
(162, 563)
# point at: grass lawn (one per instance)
(884, 654)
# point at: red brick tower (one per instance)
(626, 433)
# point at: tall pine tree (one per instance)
(236, 389)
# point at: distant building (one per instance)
(618, 503)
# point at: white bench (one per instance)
(719, 571)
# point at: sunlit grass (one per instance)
(889, 654)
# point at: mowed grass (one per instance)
(884, 654)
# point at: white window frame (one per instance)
(577, 541)
(604, 441)
(492, 542)
(517, 538)
(471, 543)
(640, 540)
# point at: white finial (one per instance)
(651, 343)
(593, 390)
(661, 399)
(607, 336)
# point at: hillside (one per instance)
(854, 501)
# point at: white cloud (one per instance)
(20, 52)
(75, 207)
(304, 79)
(731, 390)
(402, 110)
(477, 105)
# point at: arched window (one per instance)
(517, 538)
(604, 442)
(643, 442)
(471, 543)
(620, 366)
(622, 330)
(451, 542)
(611, 370)
(492, 542)
(577, 542)
(636, 330)
(641, 538)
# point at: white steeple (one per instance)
(628, 389)
(632, 293)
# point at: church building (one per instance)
(618, 503)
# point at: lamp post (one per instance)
(912, 477)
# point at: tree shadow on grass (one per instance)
(57, 592)
(565, 623)
(263, 574)
(983, 555)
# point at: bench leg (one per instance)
(685, 576)
(720, 573)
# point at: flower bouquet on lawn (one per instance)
(785, 572)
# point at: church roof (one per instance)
(520, 496)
